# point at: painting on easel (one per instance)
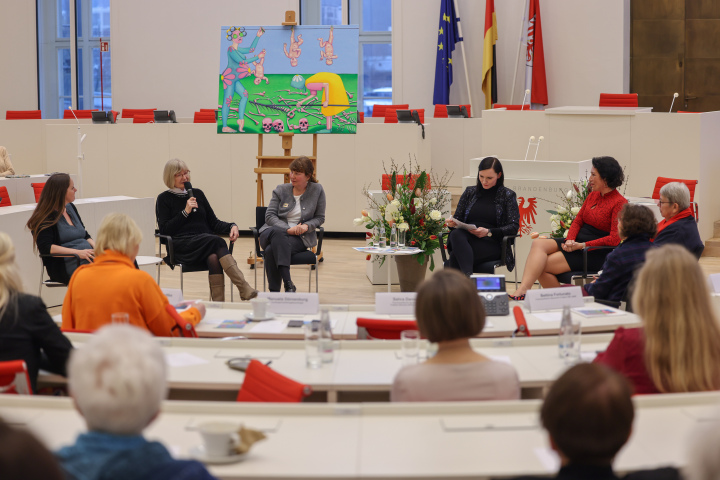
(301, 79)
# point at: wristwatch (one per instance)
(489, 233)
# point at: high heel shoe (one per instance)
(517, 298)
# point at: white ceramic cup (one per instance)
(219, 438)
(259, 307)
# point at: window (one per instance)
(375, 21)
(88, 85)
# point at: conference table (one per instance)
(198, 370)
(350, 441)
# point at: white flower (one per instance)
(418, 202)
(391, 212)
(403, 226)
(562, 209)
(569, 194)
(568, 223)
(554, 218)
(366, 219)
(396, 202)
(575, 210)
(433, 201)
(554, 225)
(435, 215)
(358, 221)
(565, 234)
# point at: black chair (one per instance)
(508, 244)
(584, 275)
(169, 259)
(307, 257)
(51, 283)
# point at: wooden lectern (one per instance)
(278, 165)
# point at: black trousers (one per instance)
(466, 249)
(279, 248)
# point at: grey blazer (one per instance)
(312, 210)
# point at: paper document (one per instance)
(270, 326)
(464, 226)
(184, 359)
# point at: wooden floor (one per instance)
(342, 274)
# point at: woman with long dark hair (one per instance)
(56, 227)
(493, 209)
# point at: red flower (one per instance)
(562, 224)
(412, 242)
(433, 237)
(422, 222)
(368, 235)
(412, 209)
(445, 247)
(368, 257)
(576, 188)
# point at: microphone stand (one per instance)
(535, 144)
(527, 92)
(80, 155)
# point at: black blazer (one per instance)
(506, 209)
(683, 232)
(27, 332)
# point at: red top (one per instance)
(599, 211)
(626, 354)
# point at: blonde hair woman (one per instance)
(6, 167)
(27, 332)
(112, 284)
(678, 350)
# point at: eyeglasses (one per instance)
(660, 203)
(182, 174)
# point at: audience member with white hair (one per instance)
(112, 284)
(118, 381)
(27, 332)
(678, 224)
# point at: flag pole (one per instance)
(520, 45)
(462, 47)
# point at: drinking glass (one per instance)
(572, 349)
(410, 345)
(313, 354)
(401, 238)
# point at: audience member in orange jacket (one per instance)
(112, 284)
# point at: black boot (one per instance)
(290, 287)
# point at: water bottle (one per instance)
(393, 237)
(565, 335)
(326, 341)
(382, 238)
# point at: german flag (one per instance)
(489, 83)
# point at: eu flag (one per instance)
(447, 38)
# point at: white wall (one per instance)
(18, 56)
(165, 53)
(587, 45)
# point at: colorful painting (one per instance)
(301, 79)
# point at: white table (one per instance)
(389, 254)
(20, 191)
(391, 441)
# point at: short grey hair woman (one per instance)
(678, 225)
(118, 381)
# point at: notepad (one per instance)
(184, 359)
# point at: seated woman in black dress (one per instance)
(194, 228)
(493, 209)
(27, 332)
(56, 227)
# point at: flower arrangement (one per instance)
(562, 218)
(411, 206)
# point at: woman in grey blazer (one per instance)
(295, 211)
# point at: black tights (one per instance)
(213, 261)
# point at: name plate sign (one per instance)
(554, 298)
(292, 303)
(395, 303)
(174, 295)
(715, 282)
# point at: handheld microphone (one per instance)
(675, 95)
(188, 187)
(527, 92)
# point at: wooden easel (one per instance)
(278, 164)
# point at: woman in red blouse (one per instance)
(678, 348)
(594, 225)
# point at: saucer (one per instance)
(198, 453)
(251, 316)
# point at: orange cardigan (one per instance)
(112, 284)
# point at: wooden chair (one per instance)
(37, 189)
(618, 100)
(4, 197)
(23, 115)
(382, 329)
(263, 384)
(306, 257)
(691, 184)
(14, 378)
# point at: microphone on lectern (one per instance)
(188, 187)
(73, 112)
(675, 95)
(527, 92)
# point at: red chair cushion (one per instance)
(204, 117)
(131, 112)
(385, 329)
(141, 118)
(68, 114)
(440, 111)
(37, 189)
(662, 181)
(263, 384)
(511, 107)
(4, 197)
(23, 115)
(360, 117)
(379, 110)
(14, 378)
(618, 99)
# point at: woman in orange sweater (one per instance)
(112, 284)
